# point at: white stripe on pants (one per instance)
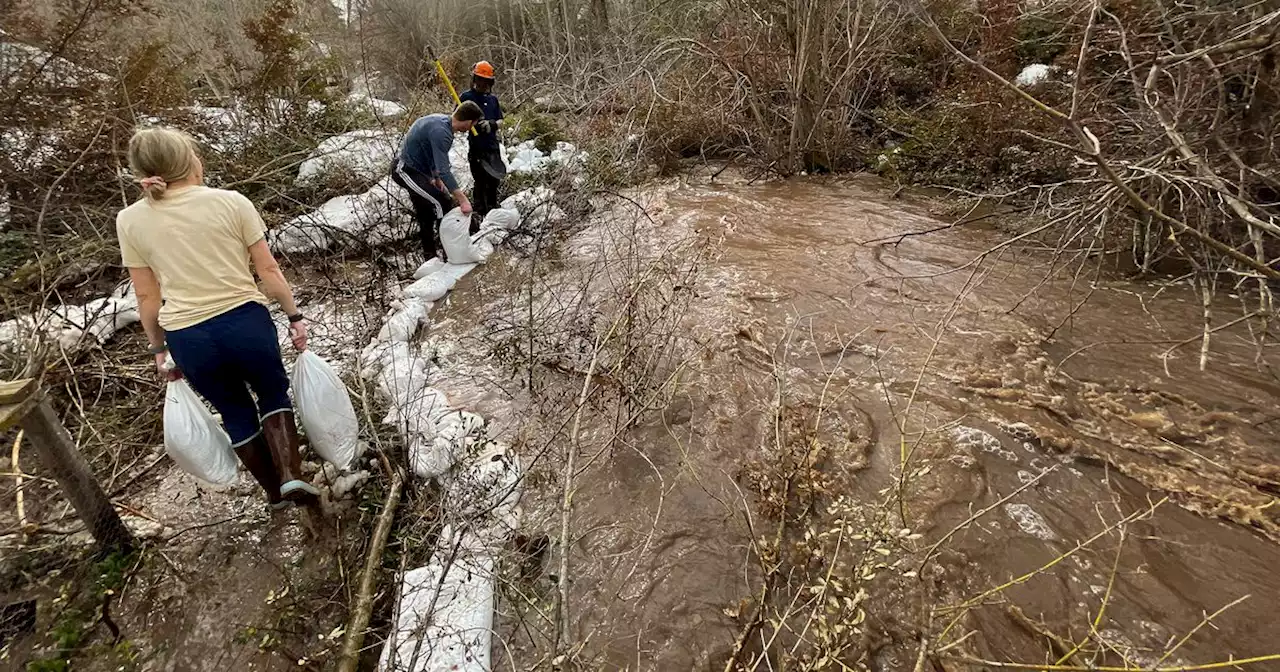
(417, 188)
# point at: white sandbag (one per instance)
(525, 158)
(404, 323)
(501, 218)
(415, 408)
(482, 246)
(73, 326)
(430, 458)
(448, 438)
(485, 492)
(456, 433)
(325, 409)
(497, 225)
(433, 264)
(432, 287)
(193, 438)
(444, 619)
(455, 236)
(375, 217)
(458, 424)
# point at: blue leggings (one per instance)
(226, 356)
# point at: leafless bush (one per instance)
(1171, 113)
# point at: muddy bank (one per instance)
(802, 352)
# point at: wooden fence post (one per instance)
(23, 403)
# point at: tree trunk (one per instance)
(549, 5)
(600, 12)
(806, 48)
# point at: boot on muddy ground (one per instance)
(281, 433)
(256, 457)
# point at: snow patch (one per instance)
(527, 158)
(367, 152)
(382, 109)
(74, 326)
(1036, 73)
(378, 216)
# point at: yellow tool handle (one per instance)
(452, 91)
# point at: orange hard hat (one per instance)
(483, 69)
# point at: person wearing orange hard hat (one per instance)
(485, 150)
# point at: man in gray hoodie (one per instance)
(423, 170)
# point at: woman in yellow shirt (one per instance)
(189, 251)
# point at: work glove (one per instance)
(485, 126)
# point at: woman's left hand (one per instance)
(298, 334)
(167, 374)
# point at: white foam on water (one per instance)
(1030, 521)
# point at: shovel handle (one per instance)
(448, 84)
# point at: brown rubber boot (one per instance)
(256, 457)
(282, 436)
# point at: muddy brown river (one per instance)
(1076, 489)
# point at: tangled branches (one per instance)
(1173, 112)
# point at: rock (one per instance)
(146, 529)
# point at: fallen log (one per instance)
(361, 611)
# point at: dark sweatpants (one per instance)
(486, 189)
(225, 357)
(429, 205)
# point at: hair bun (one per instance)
(153, 187)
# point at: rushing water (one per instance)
(999, 369)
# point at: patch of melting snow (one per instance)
(383, 109)
(75, 326)
(366, 152)
(1030, 521)
(1034, 74)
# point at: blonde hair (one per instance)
(159, 157)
